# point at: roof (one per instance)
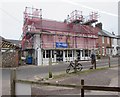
(1, 38)
(51, 25)
(106, 33)
(15, 42)
(7, 43)
(118, 36)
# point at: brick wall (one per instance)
(10, 59)
(105, 44)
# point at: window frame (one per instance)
(103, 39)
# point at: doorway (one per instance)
(59, 55)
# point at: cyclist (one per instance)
(75, 65)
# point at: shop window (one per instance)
(52, 54)
(86, 53)
(69, 53)
(48, 54)
(82, 53)
(44, 54)
(89, 52)
(65, 53)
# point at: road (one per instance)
(61, 67)
(29, 72)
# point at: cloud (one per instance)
(90, 8)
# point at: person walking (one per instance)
(93, 60)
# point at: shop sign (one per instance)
(61, 45)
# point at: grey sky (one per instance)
(11, 13)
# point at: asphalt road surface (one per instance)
(31, 71)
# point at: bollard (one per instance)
(12, 82)
(109, 61)
(75, 68)
(95, 64)
(50, 64)
(82, 89)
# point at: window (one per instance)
(108, 40)
(52, 54)
(107, 51)
(82, 53)
(43, 53)
(65, 53)
(69, 53)
(111, 51)
(60, 37)
(102, 39)
(112, 41)
(99, 51)
(49, 38)
(48, 54)
(103, 51)
(89, 52)
(86, 53)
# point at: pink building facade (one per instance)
(62, 41)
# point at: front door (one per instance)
(59, 55)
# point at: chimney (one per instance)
(113, 33)
(99, 25)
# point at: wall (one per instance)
(10, 59)
(104, 45)
(49, 41)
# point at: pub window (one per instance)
(69, 53)
(47, 53)
(43, 53)
(52, 54)
(65, 53)
(82, 53)
(89, 52)
(86, 53)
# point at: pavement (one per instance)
(54, 63)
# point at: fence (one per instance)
(25, 86)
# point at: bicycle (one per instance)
(75, 65)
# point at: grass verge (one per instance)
(64, 75)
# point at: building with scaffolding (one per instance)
(62, 41)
